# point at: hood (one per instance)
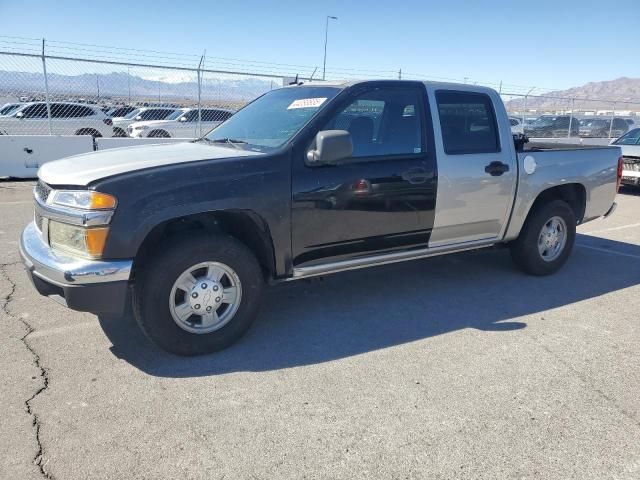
(89, 167)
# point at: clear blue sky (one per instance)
(540, 43)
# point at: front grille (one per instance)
(42, 191)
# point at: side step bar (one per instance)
(385, 258)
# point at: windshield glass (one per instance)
(121, 111)
(271, 120)
(7, 109)
(543, 121)
(630, 138)
(176, 114)
(133, 114)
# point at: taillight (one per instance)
(619, 174)
(107, 121)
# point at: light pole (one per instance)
(326, 35)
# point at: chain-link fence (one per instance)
(44, 94)
(547, 115)
(63, 88)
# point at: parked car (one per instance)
(193, 232)
(630, 145)
(182, 124)
(516, 125)
(7, 108)
(118, 112)
(553, 126)
(120, 124)
(66, 119)
(601, 127)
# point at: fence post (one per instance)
(46, 88)
(400, 74)
(524, 109)
(200, 94)
(570, 118)
(613, 114)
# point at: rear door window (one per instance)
(468, 123)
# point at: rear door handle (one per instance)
(495, 169)
(416, 175)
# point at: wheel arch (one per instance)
(245, 226)
(159, 133)
(574, 194)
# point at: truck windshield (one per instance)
(271, 120)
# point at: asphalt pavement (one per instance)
(451, 367)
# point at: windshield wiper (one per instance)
(231, 141)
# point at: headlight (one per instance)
(86, 242)
(84, 199)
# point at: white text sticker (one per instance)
(306, 103)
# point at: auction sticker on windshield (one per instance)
(307, 103)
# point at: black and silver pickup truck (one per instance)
(306, 180)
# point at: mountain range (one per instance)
(121, 85)
(182, 86)
(624, 91)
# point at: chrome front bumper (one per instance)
(85, 285)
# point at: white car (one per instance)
(7, 108)
(120, 124)
(66, 119)
(516, 125)
(629, 143)
(183, 125)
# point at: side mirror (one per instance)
(19, 115)
(331, 147)
(182, 119)
(138, 118)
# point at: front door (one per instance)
(476, 169)
(382, 199)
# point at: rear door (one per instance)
(476, 167)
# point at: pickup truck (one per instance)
(306, 180)
(630, 145)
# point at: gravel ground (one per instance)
(469, 370)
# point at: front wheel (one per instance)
(546, 240)
(199, 294)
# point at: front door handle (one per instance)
(495, 169)
(416, 175)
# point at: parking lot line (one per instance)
(606, 250)
(612, 229)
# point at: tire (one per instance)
(158, 134)
(525, 250)
(156, 289)
(89, 131)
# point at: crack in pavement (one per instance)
(585, 380)
(38, 459)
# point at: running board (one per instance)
(383, 259)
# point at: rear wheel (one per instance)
(159, 134)
(89, 131)
(199, 294)
(546, 240)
